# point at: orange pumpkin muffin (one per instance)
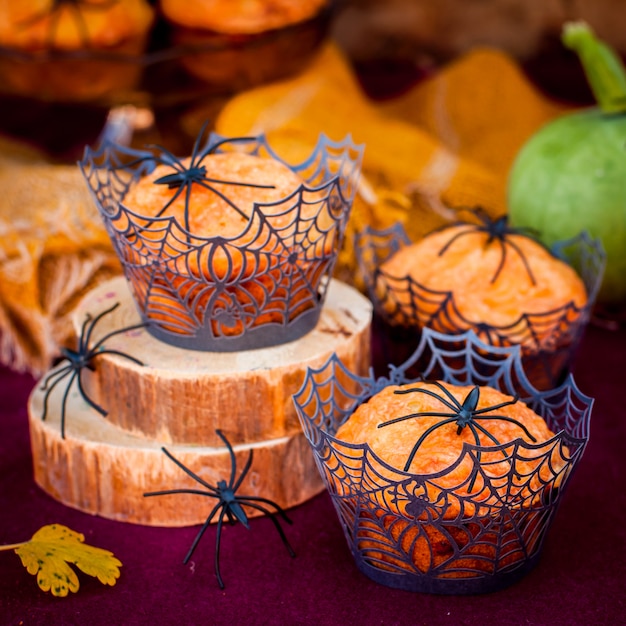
(257, 258)
(394, 442)
(49, 33)
(425, 429)
(223, 206)
(494, 281)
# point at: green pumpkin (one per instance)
(571, 175)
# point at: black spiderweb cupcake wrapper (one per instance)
(475, 526)
(262, 287)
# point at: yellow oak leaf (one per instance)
(51, 551)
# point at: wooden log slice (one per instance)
(101, 469)
(183, 396)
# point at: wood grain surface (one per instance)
(177, 400)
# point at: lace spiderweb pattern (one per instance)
(403, 307)
(477, 525)
(264, 286)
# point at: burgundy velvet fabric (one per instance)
(579, 579)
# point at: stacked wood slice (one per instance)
(177, 399)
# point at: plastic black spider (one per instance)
(229, 504)
(80, 359)
(185, 176)
(76, 6)
(463, 415)
(498, 230)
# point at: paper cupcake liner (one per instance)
(263, 287)
(419, 532)
(169, 63)
(398, 324)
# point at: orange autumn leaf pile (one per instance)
(447, 144)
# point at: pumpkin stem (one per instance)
(603, 68)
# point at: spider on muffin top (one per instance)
(446, 484)
(485, 276)
(231, 247)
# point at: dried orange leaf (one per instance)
(54, 548)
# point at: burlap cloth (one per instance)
(446, 144)
(52, 248)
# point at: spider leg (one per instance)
(406, 417)
(168, 492)
(60, 374)
(82, 343)
(276, 523)
(497, 406)
(508, 419)
(232, 520)
(195, 154)
(244, 471)
(201, 532)
(64, 402)
(117, 332)
(225, 198)
(186, 214)
(524, 260)
(502, 261)
(478, 456)
(190, 473)
(48, 390)
(422, 438)
(168, 158)
(485, 432)
(94, 322)
(454, 406)
(171, 200)
(233, 460)
(482, 215)
(86, 398)
(444, 249)
(216, 145)
(122, 354)
(453, 400)
(236, 183)
(218, 539)
(142, 159)
(279, 510)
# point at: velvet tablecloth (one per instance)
(579, 579)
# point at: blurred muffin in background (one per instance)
(439, 31)
(234, 44)
(72, 51)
